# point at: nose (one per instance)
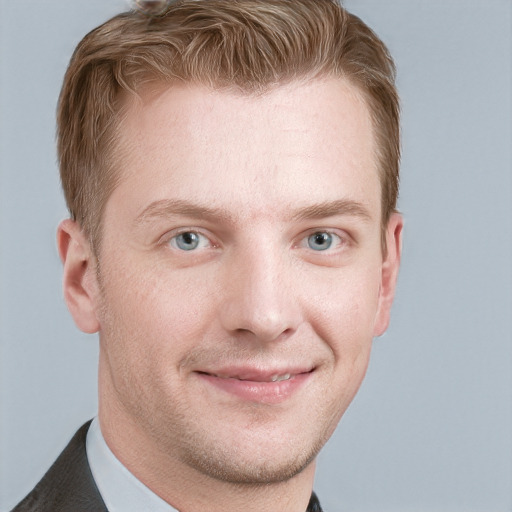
(260, 299)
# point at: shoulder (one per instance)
(68, 486)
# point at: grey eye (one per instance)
(320, 241)
(187, 241)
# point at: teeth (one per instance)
(274, 378)
(278, 378)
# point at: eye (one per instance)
(322, 241)
(189, 241)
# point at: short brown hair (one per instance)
(250, 45)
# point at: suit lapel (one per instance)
(68, 486)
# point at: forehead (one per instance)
(296, 143)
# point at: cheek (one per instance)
(148, 325)
(345, 312)
(164, 310)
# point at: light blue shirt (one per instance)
(120, 490)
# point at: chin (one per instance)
(244, 470)
(260, 456)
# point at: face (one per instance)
(241, 278)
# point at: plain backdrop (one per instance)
(431, 428)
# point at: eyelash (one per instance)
(337, 240)
(173, 240)
(204, 241)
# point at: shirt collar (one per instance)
(121, 490)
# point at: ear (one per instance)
(79, 277)
(389, 272)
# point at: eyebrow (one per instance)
(340, 207)
(169, 207)
(173, 207)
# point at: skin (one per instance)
(189, 339)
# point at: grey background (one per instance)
(431, 429)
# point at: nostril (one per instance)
(265, 333)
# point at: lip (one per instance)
(258, 386)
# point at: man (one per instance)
(231, 170)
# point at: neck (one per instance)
(190, 490)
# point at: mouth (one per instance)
(256, 378)
(252, 385)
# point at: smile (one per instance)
(273, 378)
(266, 387)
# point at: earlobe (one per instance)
(79, 275)
(389, 274)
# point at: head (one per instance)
(231, 168)
(249, 46)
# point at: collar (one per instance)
(121, 490)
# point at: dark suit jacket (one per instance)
(68, 486)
